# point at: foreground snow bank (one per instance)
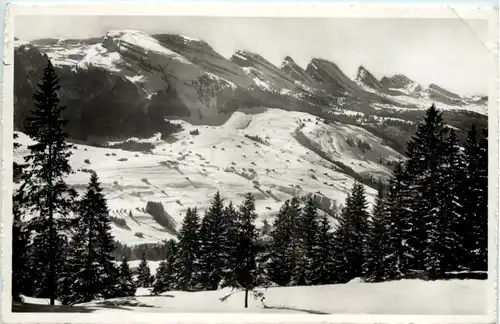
(452, 297)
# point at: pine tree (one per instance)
(20, 239)
(164, 280)
(444, 244)
(351, 238)
(231, 217)
(322, 265)
(126, 285)
(143, 273)
(286, 250)
(378, 239)
(481, 225)
(188, 251)
(307, 242)
(280, 268)
(213, 257)
(90, 269)
(398, 259)
(424, 157)
(475, 201)
(247, 237)
(46, 195)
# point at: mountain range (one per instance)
(126, 82)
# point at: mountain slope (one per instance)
(256, 152)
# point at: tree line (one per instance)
(430, 218)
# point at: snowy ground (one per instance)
(189, 171)
(451, 297)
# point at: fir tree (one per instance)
(481, 224)
(322, 265)
(20, 239)
(247, 237)
(44, 189)
(126, 285)
(424, 157)
(443, 229)
(231, 217)
(164, 280)
(286, 250)
(280, 268)
(475, 201)
(90, 270)
(397, 259)
(144, 278)
(378, 239)
(351, 238)
(213, 257)
(308, 224)
(188, 251)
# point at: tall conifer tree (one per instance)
(378, 239)
(399, 258)
(20, 238)
(247, 237)
(90, 272)
(187, 252)
(213, 256)
(164, 279)
(47, 196)
(126, 285)
(351, 237)
(230, 217)
(424, 157)
(144, 278)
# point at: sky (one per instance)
(447, 52)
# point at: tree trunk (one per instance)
(246, 296)
(52, 275)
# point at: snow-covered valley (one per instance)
(187, 172)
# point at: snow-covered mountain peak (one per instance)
(121, 40)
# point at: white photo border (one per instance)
(242, 10)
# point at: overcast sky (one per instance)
(448, 52)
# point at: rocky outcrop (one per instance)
(442, 95)
(330, 76)
(400, 81)
(367, 79)
(296, 72)
(265, 75)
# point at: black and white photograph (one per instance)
(237, 163)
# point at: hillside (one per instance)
(272, 153)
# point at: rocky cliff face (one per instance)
(296, 72)
(365, 78)
(329, 75)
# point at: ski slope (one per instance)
(187, 172)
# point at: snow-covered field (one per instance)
(188, 172)
(451, 297)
